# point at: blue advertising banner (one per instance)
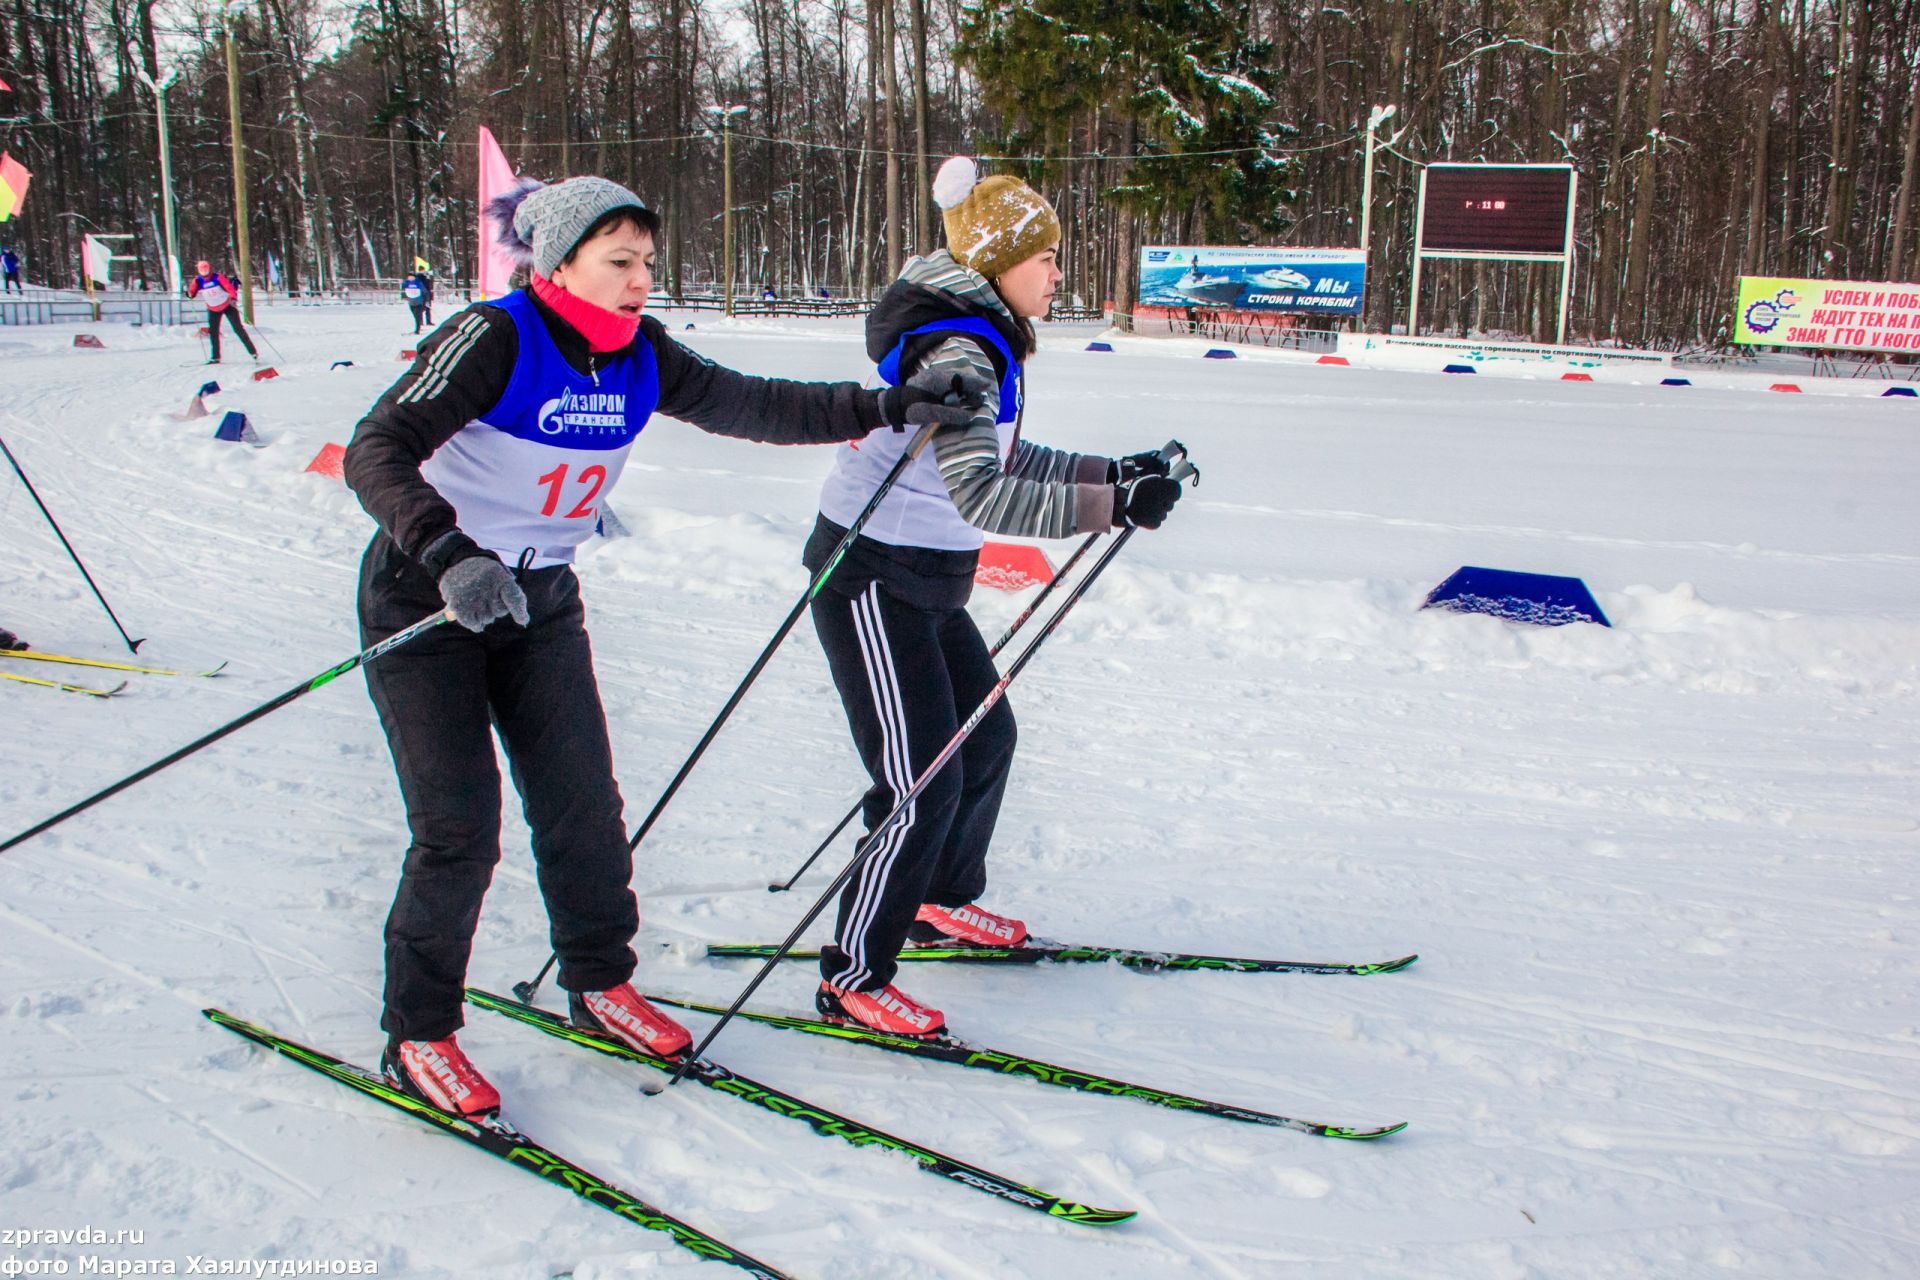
(1330, 282)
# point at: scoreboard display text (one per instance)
(1497, 208)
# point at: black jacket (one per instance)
(400, 433)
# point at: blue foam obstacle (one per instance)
(1221, 353)
(1676, 382)
(235, 427)
(1899, 391)
(1538, 598)
(1459, 368)
(1100, 346)
(208, 389)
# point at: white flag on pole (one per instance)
(96, 260)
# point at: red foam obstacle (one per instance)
(1576, 377)
(1784, 386)
(330, 461)
(263, 375)
(1332, 360)
(1007, 566)
(408, 353)
(201, 332)
(88, 340)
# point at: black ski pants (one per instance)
(441, 698)
(422, 314)
(908, 677)
(232, 314)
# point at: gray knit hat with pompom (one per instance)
(540, 224)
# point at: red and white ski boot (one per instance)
(441, 1075)
(967, 926)
(622, 1013)
(889, 1009)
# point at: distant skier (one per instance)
(484, 466)
(220, 293)
(417, 290)
(907, 659)
(11, 643)
(10, 264)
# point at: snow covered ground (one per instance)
(1661, 877)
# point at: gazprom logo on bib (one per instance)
(585, 413)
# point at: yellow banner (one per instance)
(1840, 315)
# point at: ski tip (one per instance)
(1087, 1215)
(1390, 966)
(215, 671)
(1362, 1135)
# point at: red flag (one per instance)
(13, 186)
(495, 271)
(4, 86)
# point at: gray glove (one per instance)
(479, 590)
(934, 395)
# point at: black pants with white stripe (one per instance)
(441, 698)
(231, 315)
(908, 676)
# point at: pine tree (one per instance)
(1200, 91)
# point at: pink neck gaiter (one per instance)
(604, 330)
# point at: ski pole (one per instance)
(1172, 450)
(360, 659)
(527, 990)
(133, 646)
(987, 704)
(994, 652)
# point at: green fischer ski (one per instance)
(944, 1049)
(1060, 953)
(35, 655)
(820, 1120)
(497, 1138)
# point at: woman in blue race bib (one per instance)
(485, 466)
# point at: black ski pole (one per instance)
(360, 659)
(525, 991)
(987, 704)
(1171, 451)
(133, 646)
(994, 652)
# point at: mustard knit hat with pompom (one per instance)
(993, 223)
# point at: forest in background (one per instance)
(1711, 138)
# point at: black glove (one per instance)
(1135, 465)
(1144, 502)
(480, 589)
(934, 395)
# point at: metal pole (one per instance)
(1419, 240)
(726, 201)
(1566, 267)
(1366, 199)
(172, 267)
(239, 170)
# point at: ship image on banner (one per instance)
(1329, 282)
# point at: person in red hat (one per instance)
(218, 291)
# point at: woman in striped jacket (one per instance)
(907, 659)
